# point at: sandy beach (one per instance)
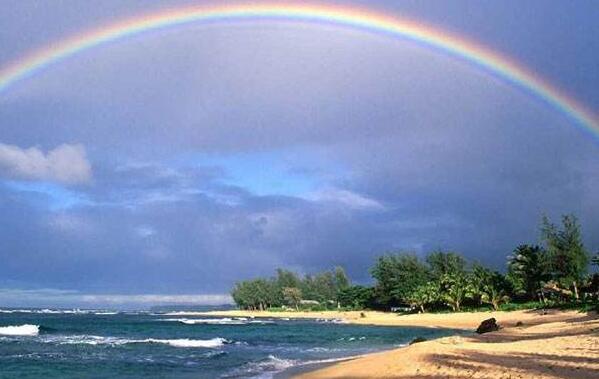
(462, 320)
(555, 345)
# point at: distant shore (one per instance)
(559, 344)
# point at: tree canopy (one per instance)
(441, 279)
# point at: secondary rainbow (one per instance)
(463, 48)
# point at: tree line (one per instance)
(290, 289)
(553, 271)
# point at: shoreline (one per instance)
(458, 320)
(564, 348)
(557, 345)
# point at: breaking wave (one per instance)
(116, 341)
(20, 330)
(218, 321)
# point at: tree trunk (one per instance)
(575, 290)
(542, 296)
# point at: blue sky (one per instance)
(164, 167)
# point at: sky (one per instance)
(162, 168)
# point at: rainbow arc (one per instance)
(458, 46)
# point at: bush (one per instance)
(520, 306)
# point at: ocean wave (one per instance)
(265, 368)
(272, 365)
(116, 341)
(20, 330)
(217, 321)
(331, 320)
(16, 311)
(46, 311)
(211, 343)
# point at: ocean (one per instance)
(102, 344)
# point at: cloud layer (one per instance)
(221, 152)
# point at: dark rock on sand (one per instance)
(489, 325)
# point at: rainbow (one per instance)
(460, 47)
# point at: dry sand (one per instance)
(556, 345)
(463, 320)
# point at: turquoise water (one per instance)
(50, 344)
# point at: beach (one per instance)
(559, 344)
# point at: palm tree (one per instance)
(479, 278)
(455, 289)
(495, 297)
(495, 290)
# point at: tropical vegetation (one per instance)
(553, 273)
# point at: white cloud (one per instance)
(347, 198)
(65, 164)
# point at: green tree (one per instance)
(443, 263)
(527, 270)
(455, 288)
(257, 294)
(341, 279)
(357, 297)
(397, 276)
(342, 282)
(265, 293)
(242, 295)
(325, 287)
(425, 295)
(569, 259)
(595, 260)
(286, 278)
(495, 290)
(292, 296)
(479, 278)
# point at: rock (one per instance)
(519, 324)
(489, 325)
(362, 315)
(417, 339)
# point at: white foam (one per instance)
(211, 343)
(272, 365)
(21, 330)
(45, 311)
(15, 311)
(217, 321)
(116, 341)
(265, 368)
(331, 320)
